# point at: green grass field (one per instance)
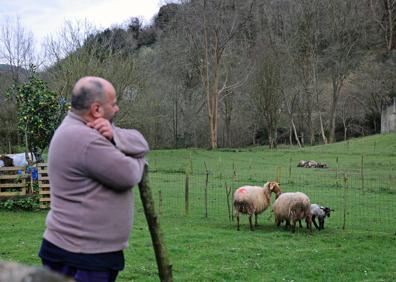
(207, 247)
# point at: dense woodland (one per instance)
(225, 73)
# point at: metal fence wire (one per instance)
(360, 202)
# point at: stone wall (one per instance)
(388, 118)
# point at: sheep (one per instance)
(253, 200)
(292, 207)
(320, 212)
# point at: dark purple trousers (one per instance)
(81, 275)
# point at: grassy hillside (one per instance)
(210, 249)
(378, 152)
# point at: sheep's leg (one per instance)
(309, 224)
(287, 226)
(250, 222)
(299, 222)
(237, 216)
(255, 220)
(293, 227)
(314, 222)
(321, 223)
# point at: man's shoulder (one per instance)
(71, 130)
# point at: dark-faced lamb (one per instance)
(292, 207)
(253, 200)
(321, 213)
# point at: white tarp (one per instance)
(18, 159)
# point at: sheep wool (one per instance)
(292, 207)
(321, 213)
(253, 200)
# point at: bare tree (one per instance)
(303, 49)
(16, 48)
(341, 55)
(268, 95)
(383, 12)
(349, 113)
(213, 26)
(374, 86)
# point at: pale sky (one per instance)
(44, 17)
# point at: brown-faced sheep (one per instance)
(253, 200)
(292, 207)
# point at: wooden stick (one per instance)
(206, 191)
(160, 202)
(345, 200)
(186, 194)
(362, 174)
(164, 267)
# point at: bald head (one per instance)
(93, 98)
(88, 90)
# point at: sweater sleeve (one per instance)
(111, 167)
(130, 141)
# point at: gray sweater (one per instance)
(91, 180)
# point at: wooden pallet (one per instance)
(13, 181)
(44, 185)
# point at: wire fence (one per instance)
(360, 201)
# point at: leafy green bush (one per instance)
(27, 203)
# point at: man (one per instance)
(92, 166)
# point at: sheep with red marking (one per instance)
(253, 200)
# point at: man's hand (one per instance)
(103, 126)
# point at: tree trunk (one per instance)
(175, 122)
(295, 133)
(337, 82)
(391, 23)
(211, 92)
(322, 128)
(164, 267)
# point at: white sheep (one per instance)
(292, 207)
(253, 200)
(320, 212)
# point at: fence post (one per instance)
(186, 194)
(362, 174)
(390, 178)
(337, 172)
(221, 169)
(345, 199)
(191, 164)
(228, 192)
(154, 165)
(234, 180)
(160, 202)
(250, 169)
(278, 174)
(234, 173)
(163, 264)
(290, 170)
(206, 190)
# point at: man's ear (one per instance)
(96, 110)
